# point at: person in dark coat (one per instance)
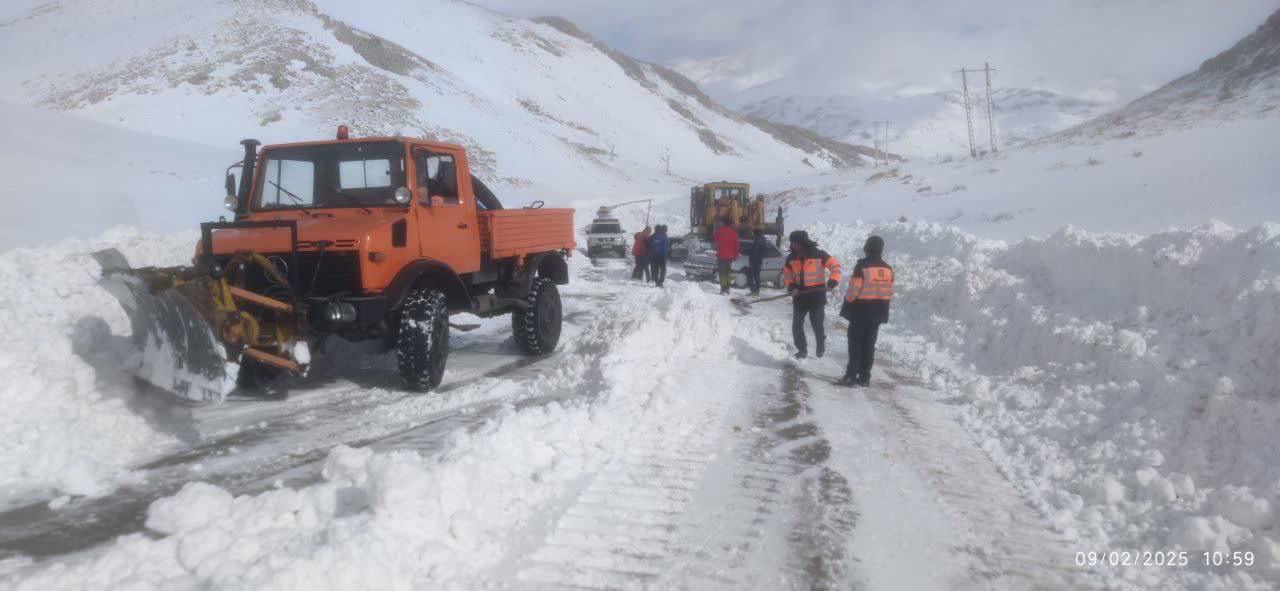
(809, 273)
(659, 248)
(866, 307)
(755, 258)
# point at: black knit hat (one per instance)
(874, 246)
(800, 236)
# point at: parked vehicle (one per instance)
(378, 238)
(713, 202)
(702, 266)
(605, 236)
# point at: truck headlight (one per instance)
(340, 313)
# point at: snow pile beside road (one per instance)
(70, 427)
(1128, 384)
(401, 519)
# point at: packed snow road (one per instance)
(670, 442)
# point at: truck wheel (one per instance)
(537, 328)
(422, 339)
(259, 379)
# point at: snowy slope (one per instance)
(545, 110)
(1180, 157)
(1242, 82)
(72, 177)
(1131, 185)
(928, 124)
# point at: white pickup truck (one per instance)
(605, 236)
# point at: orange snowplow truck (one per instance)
(361, 238)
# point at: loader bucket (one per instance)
(177, 347)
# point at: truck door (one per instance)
(445, 208)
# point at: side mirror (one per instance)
(231, 184)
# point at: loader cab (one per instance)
(711, 202)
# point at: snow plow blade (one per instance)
(190, 335)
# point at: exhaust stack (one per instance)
(246, 173)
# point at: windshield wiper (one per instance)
(296, 198)
(351, 199)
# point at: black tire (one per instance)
(422, 339)
(259, 379)
(537, 328)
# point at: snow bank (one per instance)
(401, 520)
(72, 427)
(1128, 384)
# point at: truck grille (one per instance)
(334, 272)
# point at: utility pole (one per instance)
(991, 120)
(968, 108)
(968, 111)
(880, 141)
(875, 143)
(666, 160)
(886, 143)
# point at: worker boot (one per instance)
(801, 354)
(822, 348)
(846, 381)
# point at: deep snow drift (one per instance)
(75, 429)
(1128, 385)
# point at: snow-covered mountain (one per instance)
(1242, 82)
(929, 123)
(546, 111)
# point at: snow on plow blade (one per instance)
(178, 349)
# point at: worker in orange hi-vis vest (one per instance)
(866, 307)
(809, 274)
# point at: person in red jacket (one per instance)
(726, 239)
(639, 244)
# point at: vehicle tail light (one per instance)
(343, 132)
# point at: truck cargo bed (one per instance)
(514, 232)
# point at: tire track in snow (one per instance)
(286, 446)
(708, 505)
(1011, 545)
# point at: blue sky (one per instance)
(1117, 48)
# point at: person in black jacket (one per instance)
(755, 258)
(809, 273)
(866, 307)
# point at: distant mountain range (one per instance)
(543, 107)
(933, 123)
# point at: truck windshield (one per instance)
(605, 229)
(331, 175)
